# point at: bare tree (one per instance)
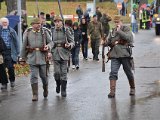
(12, 5)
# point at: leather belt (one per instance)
(37, 49)
(59, 44)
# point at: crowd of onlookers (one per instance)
(87, 30)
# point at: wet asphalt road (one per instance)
(88, 88)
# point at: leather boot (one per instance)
(63, 88)
(45, 90)
(112, 89)
(58, 83)
(35, 91)
(132, 87)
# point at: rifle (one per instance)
(37, 8)
(60, 10)
(45, 52)
(103, 54)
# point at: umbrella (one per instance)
(143, 6)
(15, 12)
(13, 20)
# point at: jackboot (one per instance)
(132, 87)
(112, 89)
(35, 91)
(58, 83)
(63, 88)
(45, 90)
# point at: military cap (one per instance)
(75, 24)
(117, 18)
(94, 15)
(35, 20)
(57, 18)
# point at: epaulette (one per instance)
(28, 30)
(47, 30)
(68, 29)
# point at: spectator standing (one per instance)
(12, 50)
(95, 34)
(84, 43)
(86, 15)
(134, 21)
(79, 12)
(3, 74)
(105, 19)
(98, 13)
(75, 50)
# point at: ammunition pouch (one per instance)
(122, 42)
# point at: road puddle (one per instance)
(152, 94)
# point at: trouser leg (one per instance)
(97, 49)
(34, 91)
(93, 48)
(9, 64)
(128, 70)
(34, 81)
(57, 72)
(3, 75)
(63, 78)
(44, 78)
(115, 65)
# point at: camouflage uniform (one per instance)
(95, 30)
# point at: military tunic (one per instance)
(35, 58)
(120, 52)
(61, 54)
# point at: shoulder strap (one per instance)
(52, 32)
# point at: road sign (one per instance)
(119, 5)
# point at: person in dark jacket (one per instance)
(79, 12)
(11, 54)
(98, 13)
(84, 43)
(86, 15)
(105, 19)
(3, 74)
(75, 50)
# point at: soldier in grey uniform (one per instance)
(62, 43)
(120, 40)
(95, 34)
(33, 50)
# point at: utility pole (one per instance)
(19, 24)
(131, 9)
(94, 8)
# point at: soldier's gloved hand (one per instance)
(49, 55)
(118, 27)
(103, 42)
(67, 45)
(46, 48)
(21, 61)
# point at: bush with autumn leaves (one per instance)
(21, 70)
